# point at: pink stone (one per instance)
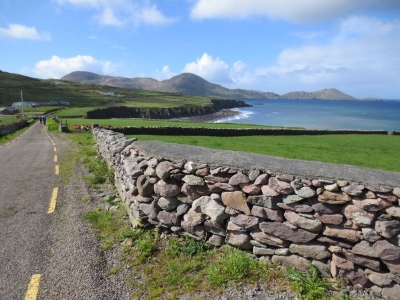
(394, 211)
(226, 186)
(347, 234)
(396, 192)
(332, 219)
(261, 179)
(342, 262)
(268, 191)
(334, 269)
(250, 189)
(190, 191)
(371, 205)
(334, 198)
(359, 216)
(238, 179)
(282, 187)
(236, 200)
(313, 225)
(267, 239)
(267, 213)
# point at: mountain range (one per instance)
(188, 83)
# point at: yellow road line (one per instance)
(33, 287)
(53, 201)
(55, 149)
(55, 158)
(57, 170)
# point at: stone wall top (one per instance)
(277, 165)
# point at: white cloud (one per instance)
(165, 73)
(18, 31)
(309, 34)
(362, 58)
(214, 70)
(108, 18)
(295, 11)
(151, 15)
(57, 67)
(122, 12)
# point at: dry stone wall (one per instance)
(7, 129)
(344, 228)
(200, 131)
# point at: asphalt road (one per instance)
(60, 247)
(27, 179)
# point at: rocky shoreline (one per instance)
(221, 114)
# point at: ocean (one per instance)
(321, 114)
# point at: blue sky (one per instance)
(267, 45)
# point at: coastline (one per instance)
(221, 114)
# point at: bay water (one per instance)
(321, 114)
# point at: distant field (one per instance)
(158, 123)
(370, 151)
(75, 111)
(5, 120)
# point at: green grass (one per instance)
(111, 227)
(186, 266)
(7, 120)
(85, 153)
(370, 151)
(82, 144)
(156, 123)
(310, 286)
(51, 125)
(234, 266)
(74, 111)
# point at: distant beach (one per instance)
(222, 114)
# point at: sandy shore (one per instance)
(223, 113)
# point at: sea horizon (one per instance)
(321, 114)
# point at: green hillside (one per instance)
(88, 96)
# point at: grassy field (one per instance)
(156, 123)
(5, 120)
(370, 151)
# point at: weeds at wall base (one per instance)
(310, 286)
(178, 265)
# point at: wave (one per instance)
(274, 113)
(241, 114)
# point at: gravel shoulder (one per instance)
(77, 268)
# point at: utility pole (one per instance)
(22, 100)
